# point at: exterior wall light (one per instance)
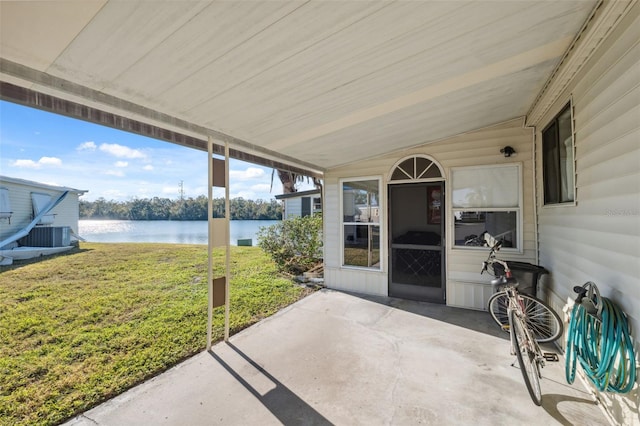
(507, 151)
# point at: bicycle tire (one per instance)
(529, 366)
(543, 321)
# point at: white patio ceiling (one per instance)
(324, 83)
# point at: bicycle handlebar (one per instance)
(495, 245)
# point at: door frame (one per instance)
(416, 176)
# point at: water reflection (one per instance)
(163, 231)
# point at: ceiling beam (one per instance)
(35, 77)
(510, 65)
(23, 96)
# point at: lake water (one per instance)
(163, 231)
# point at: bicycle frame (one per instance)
(523, 343)
(515, 304)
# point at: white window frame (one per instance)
(380, 222)
(518, 209)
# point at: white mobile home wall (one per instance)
(598, 238)
(293, 207)
(465, 286)
(66, 213)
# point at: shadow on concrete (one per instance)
(478, 321)
(550, 403)
(285, 405)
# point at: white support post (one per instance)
(218, 228)
(227, 214)
(210, 242)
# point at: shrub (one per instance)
(294, 244)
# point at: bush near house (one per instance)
(295, 244)
(79, 328)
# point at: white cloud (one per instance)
(121, 164)
(117, 173)
(171, 190)
(43, 161)
(29, 164)
(87, 146)
(110, 194)
(50, 161)
(121, 151)
(247, 195)
(249, 173)
(144, 191)
(265, 187)
(199, 190)
(148, 167)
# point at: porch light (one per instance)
(507, 151)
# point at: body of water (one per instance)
(163, 231)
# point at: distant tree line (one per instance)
(185, 209)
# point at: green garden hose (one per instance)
(603, 346)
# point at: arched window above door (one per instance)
(416, 168)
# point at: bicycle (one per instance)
(543, 321)
(528, 320)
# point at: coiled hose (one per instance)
(603, 347)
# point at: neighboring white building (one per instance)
(301, 204)
(21, 201)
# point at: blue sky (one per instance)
(112, 164)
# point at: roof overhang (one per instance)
(34, 184)
(298, 194)
(311, 85)
(160, 131)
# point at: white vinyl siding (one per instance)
(5, 205)
(465, 286)
(293, 208)
(598, 238)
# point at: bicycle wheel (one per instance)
(543, 321)
(525, 351)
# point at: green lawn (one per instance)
(81, 327)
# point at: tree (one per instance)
(290, 179)
(184, 209)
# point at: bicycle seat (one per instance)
(500, 281)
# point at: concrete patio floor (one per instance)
(336, 358)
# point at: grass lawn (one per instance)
(81, 327)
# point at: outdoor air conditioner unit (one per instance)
(47, 236)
